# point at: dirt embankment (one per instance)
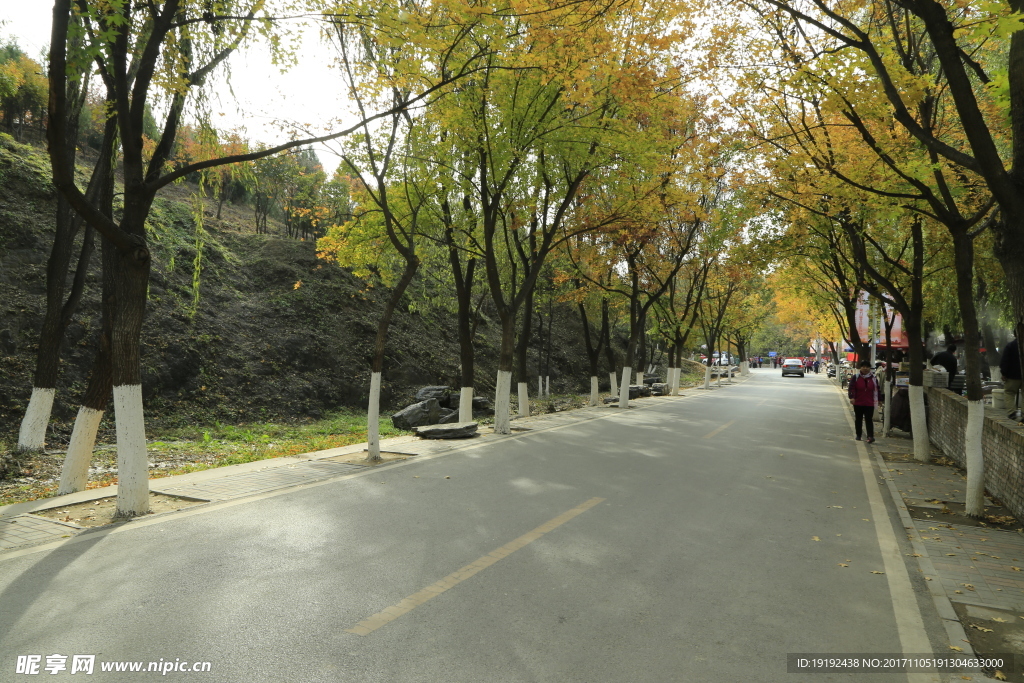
(253, 345)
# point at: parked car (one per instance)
(792, 366)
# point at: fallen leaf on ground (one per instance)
(815, 538)
(981, 628)
(999, 619)
(874, 572)
(957, 648)
(843, 565)
(1000, 676)
(1016, 569)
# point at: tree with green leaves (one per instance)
(145, 53)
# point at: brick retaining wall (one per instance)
(1002, 443)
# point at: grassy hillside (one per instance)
(252, 346)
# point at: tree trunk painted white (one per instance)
(639, 378)
(524, 400)
(466, 404)
(373, 419)
(540, 386)
(919, 424)
(613, 383)
(995, 373)
(718, 376)
(502, 403)
(32, 436)
(676, 381)
(547, 385)
(74, 475)
(627, 372)
(132, 464)
(975, 459)
(594, 391)
(707, 377)
(887, 409)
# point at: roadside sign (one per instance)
(772, 354)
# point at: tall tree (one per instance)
(143, 52)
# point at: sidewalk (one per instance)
(974, 573)
(22, 526)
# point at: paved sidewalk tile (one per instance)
(262, 481)
(29, 529)
(989, 561)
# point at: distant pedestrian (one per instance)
(865, 393)
(1009, 366)
(946, 359)
(817, 366)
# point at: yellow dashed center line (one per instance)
(722, 428)
(371, 624)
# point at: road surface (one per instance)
(699, 538)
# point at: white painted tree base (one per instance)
(975, 459)
(627, 372)
(540, 387)
(74, 475)
(32, 435)
(613, 383)
(887, 409)
(594, 391)
(524, 400)
(466, 404)
(995, 373)
(919, 424)
(132, 464)
(373, 419)
(503, 403)
(547, 385)
(707, 377)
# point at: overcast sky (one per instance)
(306, 94)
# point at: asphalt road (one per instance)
(714, 550)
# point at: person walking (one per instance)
(865, 393)
(1009, 366)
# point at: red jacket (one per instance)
(865, 390)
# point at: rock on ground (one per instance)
(423, 413)
(457, 430)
